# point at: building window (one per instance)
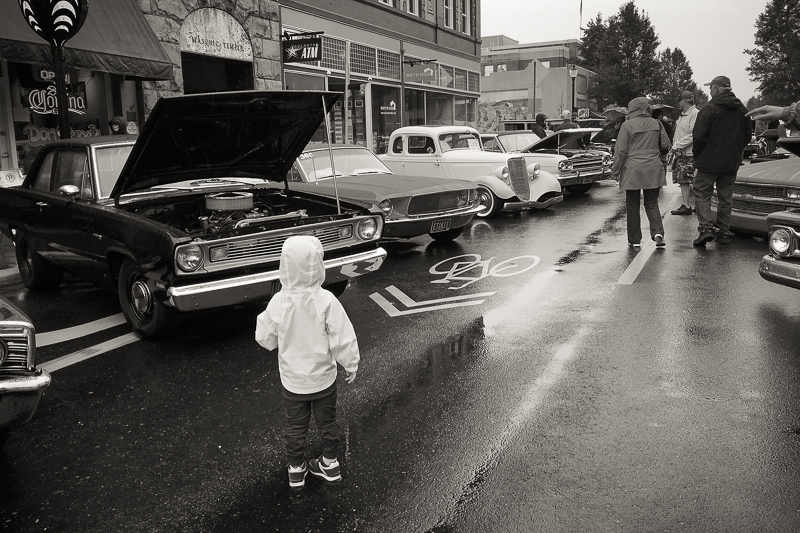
(502, 67)
(448, 14)
(487, 70)
(413, 7)
(464, 5)
(387, 2)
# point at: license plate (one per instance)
(440, 225)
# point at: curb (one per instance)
(7, 274)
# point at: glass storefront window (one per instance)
(465, 111)
(355, 116)
(385, 115)
(439, 109)
(414, 108)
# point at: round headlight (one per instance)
(565, 165)
(606, 160)
(502, 173)
(386, 206)
(534, 170)
(367, 229)
(780, 240)
(3, 351)
(189, 258)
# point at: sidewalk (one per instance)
(8, 260)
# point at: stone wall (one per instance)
(259, 18)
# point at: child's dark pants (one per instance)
(298, 408)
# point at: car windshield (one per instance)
(110, 160)
(459, 141)
(316, 165)
(517, 141)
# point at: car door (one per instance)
(61, 226)
(421, 157)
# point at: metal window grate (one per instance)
(450, 76)
(362, 59)
(461, 79)
(473, 82)
(388, 64)
(333, 53)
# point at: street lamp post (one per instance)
(573, 73)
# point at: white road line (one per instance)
(408, 302)
(66, 334)
(636, 266)
(81, 355)
(392, 311)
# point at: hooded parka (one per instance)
(637, 154)
(720, 134)
(306, 323)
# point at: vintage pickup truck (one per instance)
(504, 181)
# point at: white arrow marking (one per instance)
(392, 311)
(408, 302)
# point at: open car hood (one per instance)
(254, 134)
(558, 139)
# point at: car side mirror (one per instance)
(69, 190)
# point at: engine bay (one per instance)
(233, 213)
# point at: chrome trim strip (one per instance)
(511, 206)
(469, 211)
(253, 287)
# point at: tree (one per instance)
(622, 52)
(775, 62)
(675, 77)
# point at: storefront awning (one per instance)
(115, 38)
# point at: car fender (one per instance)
(496, 185)
(543, 183)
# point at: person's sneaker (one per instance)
(297, 476)
(705, 236)
(328, 473)
(722, 237)
(634, 245)
(659, 240)
(682, 210)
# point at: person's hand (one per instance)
(350, 377)
(766, 112)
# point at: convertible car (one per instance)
(182, 217)
(412, 205)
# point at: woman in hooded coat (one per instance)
(118, 126)
(638, 167)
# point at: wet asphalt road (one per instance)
(519, 387)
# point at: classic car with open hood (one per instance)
(183, 217)
(575, 168)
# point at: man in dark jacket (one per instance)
(540, 126)
(720, 135)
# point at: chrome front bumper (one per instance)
(20, 395)
(780, 272)
(518, 206)
(255, 287)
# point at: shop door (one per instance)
(207, 74)
(356, 113)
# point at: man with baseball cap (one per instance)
(720, 135)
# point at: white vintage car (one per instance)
(560, 153)
(504, 181)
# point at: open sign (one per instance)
(46, 75)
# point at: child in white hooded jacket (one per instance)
(312, 332)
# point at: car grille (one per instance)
(432, 203)
(18, 340)
(269, 248)
(758, 190)
(585, 163)
(519, 178)
(756, 207)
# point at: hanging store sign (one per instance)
(213, 32)
(419, 72)
(298, 50)
(55, 22)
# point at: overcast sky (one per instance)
(713, 34)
